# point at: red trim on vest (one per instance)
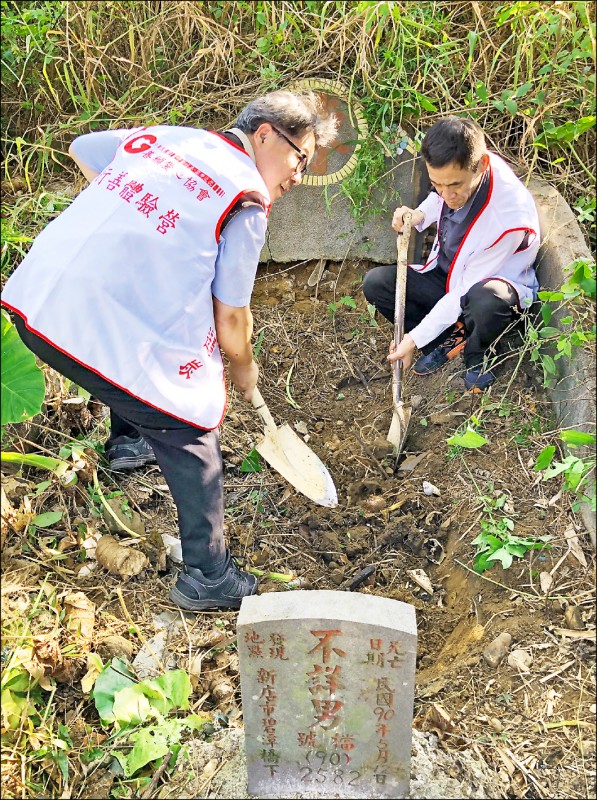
(117, 385)
(424, 267)
(233, 203)
(470, 227)
(513, 230)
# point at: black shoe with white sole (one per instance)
(194, 592)
(128, 453)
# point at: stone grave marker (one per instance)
(327, 681)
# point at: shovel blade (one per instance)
(294, 460)
(399, 426)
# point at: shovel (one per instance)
(401, 413)
(290, 456)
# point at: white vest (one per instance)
(121, 280)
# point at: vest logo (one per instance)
(140, 143)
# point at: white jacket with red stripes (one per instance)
(490, 248)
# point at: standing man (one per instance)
(479, 275)
(134, 289)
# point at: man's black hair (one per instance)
(453, 140)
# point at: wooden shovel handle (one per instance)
(401, 267)
(261, 408)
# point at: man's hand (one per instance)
(398, 218)
(244, 378)
(404, 352)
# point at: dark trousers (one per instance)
(189, 458)
(487, 308)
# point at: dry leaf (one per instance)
(421, 579)
(545, 581)
(574, 546)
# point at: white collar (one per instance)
(245, 140)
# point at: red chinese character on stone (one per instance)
(344, 741)
(147, 204)
(277, 650)
(327, 710)
(188, 369)
(130, 189)
(383, 752)
(324, 644)
(203, 195)
(114, 183)
(307, 739)
(210, 341)
(254, 642)
(376, 658)
(330, 675)
(376, 644)
(168, 221)
(266, 676)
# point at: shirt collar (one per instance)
(246, 142)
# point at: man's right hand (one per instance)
(244, 378)
(398, 218)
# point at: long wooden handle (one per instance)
(401, 267)
(261, 408)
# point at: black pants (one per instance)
(189, 458)
(487, 308)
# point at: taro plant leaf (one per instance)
(176, 686)
(115, 676)
(251, 463)
(131, 705)
(470, 439)
(149, 744)
(23, 385)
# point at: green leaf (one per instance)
(502, 555)
(23, 385)
(545, 458)
(131, 705)
(48, 519)
(577, 438)
(149, 744)
(251, 463)
(114, 677)
(547, 332)
(176, 686)
(469, 439)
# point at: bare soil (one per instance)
(323, 371)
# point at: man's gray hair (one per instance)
(295, 113)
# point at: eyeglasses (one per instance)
(302, 163)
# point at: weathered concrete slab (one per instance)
(327, 683)
(308, 224)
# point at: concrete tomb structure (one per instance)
(327, 682)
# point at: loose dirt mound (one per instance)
(323, 368)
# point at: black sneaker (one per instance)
(443, 353)
(194, 592)
(129, 453)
